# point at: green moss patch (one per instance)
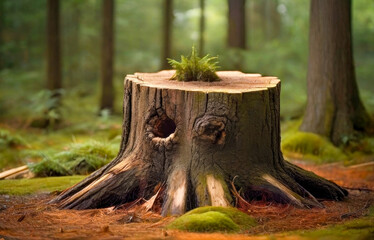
(37, 185)
(311, 146)
(79, 158)
(213, 219)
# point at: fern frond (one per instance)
(194, 68)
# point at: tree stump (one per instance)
(195, 138)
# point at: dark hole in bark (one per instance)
(164, 127)
(265, 194)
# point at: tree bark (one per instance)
(236, 32)
(167, 33)
(195, 138)
(107, 91)
(53, 46)
(202, 28)
(334, 108)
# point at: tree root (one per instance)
(127, 182)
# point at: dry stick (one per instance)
(360, 189)
(356, 213)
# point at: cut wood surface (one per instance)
(231, 82)
(194, 139)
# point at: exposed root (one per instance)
(291, 196)
(69, 201)
(127, 182)
(319, 187)
(175, 203)
(103, 192)
(216, 192)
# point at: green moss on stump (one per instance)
(311, 146)
(213, 219)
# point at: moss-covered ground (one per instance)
(318, 149)
(357, 229)
(37, 185)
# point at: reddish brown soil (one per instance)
(30, 217)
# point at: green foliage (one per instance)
(35, 185)
(213, 219)
(80, 158)
(194, 68)
(9, 140)
(312, 146)
(11, 146)
(46, 108)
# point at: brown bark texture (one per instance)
(334, 108)
(236, 32)
(107, 50)
(53, 45)
(200, 141)
(167, 33)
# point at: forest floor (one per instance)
(31, 217)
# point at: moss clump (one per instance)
(34, 185)
(311, 146)
(78, 159)
(213, 219)
(194, 68)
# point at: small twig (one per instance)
(360, 189)
(356, 213)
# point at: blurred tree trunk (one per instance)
(167, 33)
(266, 19)
(202, 27)
(2, 23)
(272, 19)
(334, 108)
(71, 42)
(107, 91)
(236, 36)
(236, 32)
(54, 49)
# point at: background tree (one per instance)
(2, 22)
(334, 108)
(167, 33)
(202, 27)
(272, 19)
(71, 38)
(107, 91)
(236, 32)
(54, 49)
(236, 36)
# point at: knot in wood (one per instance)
(211, 128)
